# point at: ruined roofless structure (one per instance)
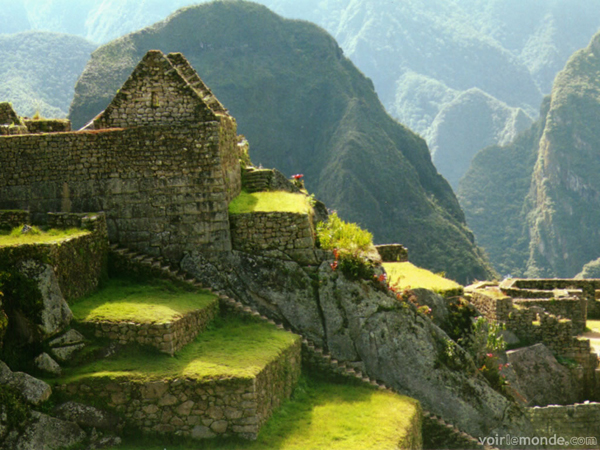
(161, 160)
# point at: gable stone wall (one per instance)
(165, 189)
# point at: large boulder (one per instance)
(538, 379)
(33, 390)
(55, 314)
(45, 432)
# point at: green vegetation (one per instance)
(406, 275)
(593, 325)
(354, 156)
(350, 244)
(123, 300)
(320, 415)
(270, 201)
(38, 236)
(233, 347)
(39, 71)
(16, 411)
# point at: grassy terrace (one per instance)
(122, 300)
(270, 202)
(407, 275)
(232, 348)
(38, 236)
(320, 415)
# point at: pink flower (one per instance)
(334, 265)
(490, 355)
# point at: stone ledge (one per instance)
(169, 337)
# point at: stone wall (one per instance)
(167, 337)
(261, 231)
(573, 421)
(198, 408)
(79, 263)
(259, 180)
(492, 304)
(392, 252)
(47, 125)
(566, 307)
(163, 188)
(154, 94)
(8, 116)
(588, 288)
(10, 219)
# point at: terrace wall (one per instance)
(198, 408)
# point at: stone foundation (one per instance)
(10, 219)
(261, 231)
(573, 421)
(167, 337)
(198, 408)
(392, 253)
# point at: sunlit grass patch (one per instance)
(122, 300)
(321, 415)
(405, 274)
(270, 202)
(36, 235)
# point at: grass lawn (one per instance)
(269, 202)
(320, 415)
(407, 275)
(122, 300)
(232, 347)
(593, 325)
(38, 236)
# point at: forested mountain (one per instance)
(39, 71)
(535, 204)
(305, 108)
(424, 57)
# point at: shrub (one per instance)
(350, 245)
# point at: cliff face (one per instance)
(534, 204)
(305, 109)
(565, 188)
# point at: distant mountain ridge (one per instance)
(421, 55)
(535, 203)
(305, 108)
(39, 70)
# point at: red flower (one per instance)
(336, 253)
(490, 355)
(334, 265)
(297, 176)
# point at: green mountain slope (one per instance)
(305, 108)
(39, 71)
(552, 208)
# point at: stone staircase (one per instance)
(436, 427)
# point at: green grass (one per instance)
(321, 415)
(270, 202)
(593, 325)
(123, 300)
(38, 236)
(232, 348)
(406, 275)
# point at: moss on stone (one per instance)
(270, 202)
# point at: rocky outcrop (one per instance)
(33, 390)
(55, 314)
(361, 324)
(45, 432)
(538, 378)
(87, 416)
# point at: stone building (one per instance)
(161, 160)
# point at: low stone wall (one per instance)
(10, 219)
(588, 288)
(392, 253)
(494, 306)
(566, 307)
(79, 263)
(167, 337)
(261, 231)
(198, 408)
(259, 180)
(47, 125)
(580, 420)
